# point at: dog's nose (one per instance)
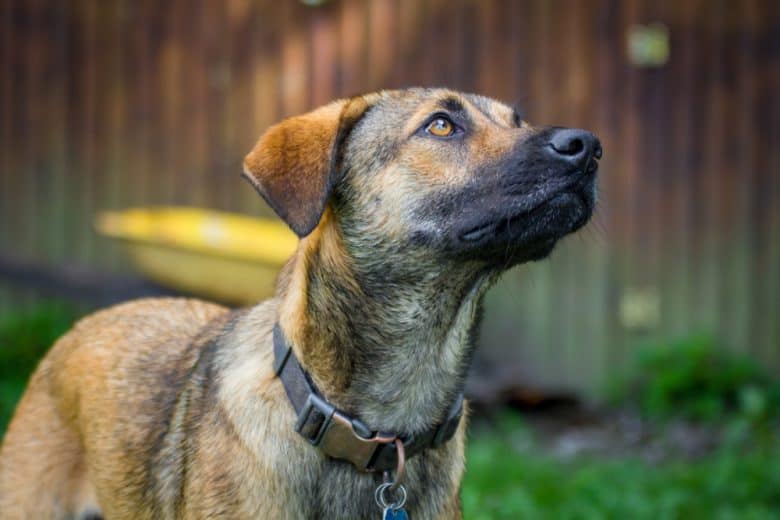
(575, 146)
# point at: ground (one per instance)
(618, 466)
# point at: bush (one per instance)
(696, 378)
(25, 336)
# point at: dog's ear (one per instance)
(295, 163)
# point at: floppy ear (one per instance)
(294, 164)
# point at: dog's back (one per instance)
(81, 390)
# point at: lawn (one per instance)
(509, 477)
(511, 474)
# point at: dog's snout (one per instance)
(575, 146)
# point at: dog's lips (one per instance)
(572, 197)
(476, 234)
(510, 222)
(493, 227)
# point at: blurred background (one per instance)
(642, 357)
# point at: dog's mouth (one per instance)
(573, 204)
(497, 227)
(532, 231)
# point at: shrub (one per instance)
(25, 336)
(696, 378)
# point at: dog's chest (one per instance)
(343, 492)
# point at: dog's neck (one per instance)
(392, 348)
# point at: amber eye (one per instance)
(441, 127)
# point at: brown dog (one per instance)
(409, 204)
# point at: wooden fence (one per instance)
(112, 104)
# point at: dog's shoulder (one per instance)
(112, 338)
(139, 377)
(120, 348)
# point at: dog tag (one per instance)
(391, 510)
(395, 514)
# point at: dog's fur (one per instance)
(169, 408)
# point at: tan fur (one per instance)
(169, 408)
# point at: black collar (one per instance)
(344, 437)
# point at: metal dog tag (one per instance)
(391, 510)
(395, 514)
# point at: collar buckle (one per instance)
(338, 435)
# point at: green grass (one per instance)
(504, 481)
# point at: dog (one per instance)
(408, 204)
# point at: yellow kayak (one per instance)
(228, 257)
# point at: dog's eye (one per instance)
(441, 127)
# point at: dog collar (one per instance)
(343, 437)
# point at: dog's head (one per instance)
(455, 176)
